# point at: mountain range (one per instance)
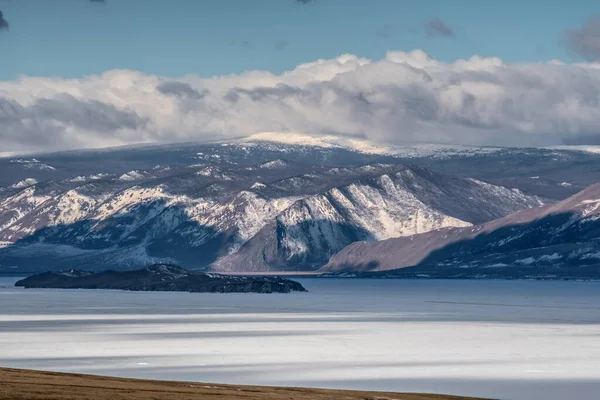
(271, 202)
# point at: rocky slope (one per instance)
(160, 278)
(553, 241)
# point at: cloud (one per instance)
(180, 89)
(3, 22)
(65, 122)
(437, 27)
(585, 41)
(241, 43)
(281, 44)
(384, 31)
(304, 1)
(403, 97)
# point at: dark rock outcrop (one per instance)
(161, 277)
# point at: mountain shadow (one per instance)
(305, 246)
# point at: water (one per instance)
(501, 339)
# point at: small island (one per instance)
(161, 277)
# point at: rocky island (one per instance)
(161, 277)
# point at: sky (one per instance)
(91, 73)
(74, 38)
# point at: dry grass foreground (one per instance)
(33, 385)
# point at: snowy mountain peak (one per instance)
(362, 145)
(132, 176)
(300, 139)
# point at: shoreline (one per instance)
(315, 275)
(28, 384)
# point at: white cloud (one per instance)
(403, 97)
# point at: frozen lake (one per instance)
(502, 339)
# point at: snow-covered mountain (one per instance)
(553, 241)
(386, 202)
(269, 201)
(221, 215)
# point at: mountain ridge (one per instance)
(205, 214)
(553, 173)
(544, 241)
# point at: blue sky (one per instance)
(74, 38)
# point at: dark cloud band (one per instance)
(180, 89)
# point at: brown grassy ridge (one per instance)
(19, 384)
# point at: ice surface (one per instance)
(499, 339)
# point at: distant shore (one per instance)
(37, 385)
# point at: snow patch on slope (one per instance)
(72, 207)
(275, 164)
(82, 178)
(131, 176)
(214, 172)
(33, 164)
(506, 193)
(25, 183)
